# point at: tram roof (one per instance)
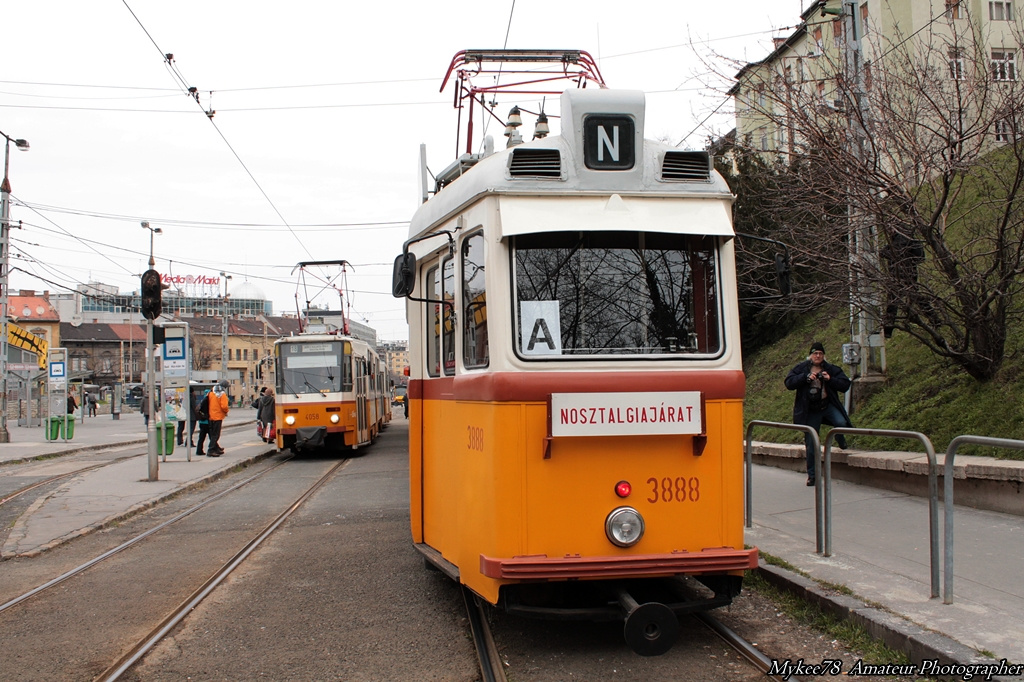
(534, 179)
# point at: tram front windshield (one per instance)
(616, 293)
(313, 368)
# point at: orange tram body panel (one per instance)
(576, 386)
(331, 392)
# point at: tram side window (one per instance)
(474, 303)
(433, 287)
(623, 293)
(448, 338)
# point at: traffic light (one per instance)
(152, 288)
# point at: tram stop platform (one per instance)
(878, 574)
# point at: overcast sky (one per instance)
(320, 110)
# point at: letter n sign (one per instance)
(608, 142)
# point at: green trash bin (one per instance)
(54, 432)
(69, 426)
(165, 437)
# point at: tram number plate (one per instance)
(312, 416)
(677, 489)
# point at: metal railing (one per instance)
(947, 595)
(748, 511)
(933, 490)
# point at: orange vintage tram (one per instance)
(576, 389)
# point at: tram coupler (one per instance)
(650, 629)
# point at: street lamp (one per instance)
(224, 333)
(5, 217)
(154, 463)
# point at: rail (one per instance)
(947, 596)
(933, 490)
(748, 511)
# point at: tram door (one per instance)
(361, 391)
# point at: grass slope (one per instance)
(921, 392)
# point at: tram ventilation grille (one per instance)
(535, 163)
(686, 166)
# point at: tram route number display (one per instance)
(626, 414)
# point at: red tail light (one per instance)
(623, 488)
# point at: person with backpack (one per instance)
(203, 419)
(818, 385)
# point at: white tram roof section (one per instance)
(645, 196)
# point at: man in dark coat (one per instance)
(818, 385)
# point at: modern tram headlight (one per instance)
(290, 420)
(624, 526)
(335, 418)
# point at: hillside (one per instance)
(922, 392)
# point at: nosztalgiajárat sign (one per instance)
(626, 414)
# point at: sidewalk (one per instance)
(96, 499)
(880, 551)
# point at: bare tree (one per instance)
(899, 185)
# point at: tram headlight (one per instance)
(290, 420)
(335, 419)
(624, 526)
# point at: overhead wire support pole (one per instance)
(864, 326)
(5, 242)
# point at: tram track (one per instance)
(60, 477)
(81, 568)
(147, 643)
(743, 647)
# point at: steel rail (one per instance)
(141, 648)
(486, 651)
(125, 545)
(742, 646)
(57, 477)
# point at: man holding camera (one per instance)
(818, 385)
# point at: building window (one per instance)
(821, 91)
(953, 9)
(1004, 65)
(800, 70)
(837, 31)
(1005, 131)
(956, 64)
(760, 96)
(764, 142)
(864, 17)
(819, 47)
(1000, 11)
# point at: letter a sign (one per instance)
(608, 142)
(540, 331)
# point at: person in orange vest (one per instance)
(219, 406)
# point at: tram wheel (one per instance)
(651, 629)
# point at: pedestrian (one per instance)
(202, 412)
(144, 409)
(266, 415)
(72, 403)
(220, 403)
(191, 419)
(818, 385)
(91, 400)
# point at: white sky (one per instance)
(324, 103)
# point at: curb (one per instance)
(896, 632)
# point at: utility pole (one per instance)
(5, 232)
(864, 326)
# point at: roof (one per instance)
(28, 309)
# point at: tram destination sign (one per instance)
(627, 414)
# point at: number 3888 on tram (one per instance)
(576, 389)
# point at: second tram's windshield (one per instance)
(314, 367)
(623, 293)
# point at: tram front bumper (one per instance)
(541, 567)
